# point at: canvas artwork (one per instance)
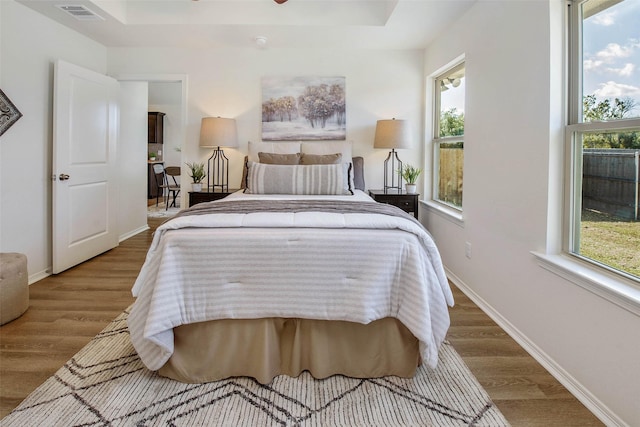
(9, 113)
(303, 109)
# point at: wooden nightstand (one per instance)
(406, 202)
(196, 197)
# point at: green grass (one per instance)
(610, 240)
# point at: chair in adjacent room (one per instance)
(167, 183)
(172, 179)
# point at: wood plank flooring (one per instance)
(67, 310)
(523, 390)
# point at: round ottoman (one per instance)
(14, 286)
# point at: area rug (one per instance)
(161, 211)
(105, 384)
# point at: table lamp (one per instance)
(216, 132)
(392, 134)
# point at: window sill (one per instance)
(452, 215)
(615, 289)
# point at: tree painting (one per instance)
(303, 108)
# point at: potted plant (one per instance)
(410, 175)
(152, 156)
(197, 175)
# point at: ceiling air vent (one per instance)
(81, 13)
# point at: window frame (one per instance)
(573, 148)
(573, 202)
(435, 202)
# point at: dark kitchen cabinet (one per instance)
(156, 127)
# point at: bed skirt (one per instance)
(265, 348)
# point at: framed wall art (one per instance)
(9, 113)
(303, 109)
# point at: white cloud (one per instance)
(605, 19)
(614, 51)
(591, 64)
(612, 89)
(625, 71)
(609, 56)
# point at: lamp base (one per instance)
(396, 169)
(218, 171)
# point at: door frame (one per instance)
(167, 78)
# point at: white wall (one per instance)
(30, 46)
(132, 158)
(226, 83)
(512, 130)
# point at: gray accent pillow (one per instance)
(279, 159)
(320, 159)
(245, 170)
(298, 179)
(358, 172)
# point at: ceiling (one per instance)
(362, 24)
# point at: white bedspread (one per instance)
(359, 268)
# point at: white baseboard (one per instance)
(592, 403)
(46, 273)
(39, 276)
(133, 233)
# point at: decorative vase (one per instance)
(411, 188)
(196, 186)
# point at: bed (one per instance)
(262, 285)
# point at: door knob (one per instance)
(63, 177)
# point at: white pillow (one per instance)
(271, 147)
(263, 178)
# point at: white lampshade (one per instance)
(218, 132)
(392, 134)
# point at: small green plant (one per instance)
(152, 155)
(197, 172)
(410, 174)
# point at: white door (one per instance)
(85, 130)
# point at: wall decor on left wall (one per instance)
(9, 113)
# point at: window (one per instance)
(603, 135)
(448, 138)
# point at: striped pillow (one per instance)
(297, 179)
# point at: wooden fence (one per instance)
(610, 181)
(450, 180)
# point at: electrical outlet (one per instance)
(467, 249)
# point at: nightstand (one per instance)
(406, 202)
(196, 197)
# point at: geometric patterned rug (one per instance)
(160, 211)
(105, 384)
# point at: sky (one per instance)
(611, 53)
(453, 97)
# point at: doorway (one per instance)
(165, 113)
(166, 93)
